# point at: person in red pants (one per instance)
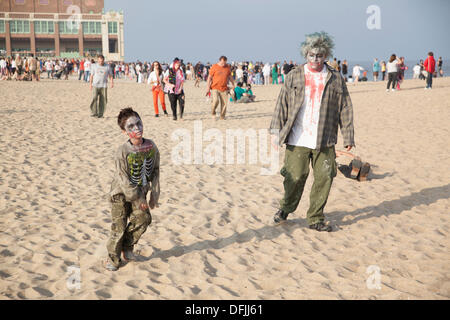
(155, 80)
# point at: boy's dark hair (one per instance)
(124, 115)
(100, 56)
(223, 58)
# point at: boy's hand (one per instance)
(143, 207)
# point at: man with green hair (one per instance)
(313, 103)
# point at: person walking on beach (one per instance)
(33, 65)
(383, 70)
(275, 74)
(198, 73)
(312, 103)
(174, 81)
(156, 81)
(345, 69)
(430, 68)
(392, 70)
(136, 174)
(87, 69)
(266, 74)
(217, 86)
(81, 71)
(99, 74)
(441, 71)
(376, 70)
(401, 72)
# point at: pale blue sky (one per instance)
(272, 30)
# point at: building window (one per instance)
(19, 26)
(68, 27)
(20, 2)
(112, 27)
(43, 2)
(44, 27)
(92, 27)
(2, 26)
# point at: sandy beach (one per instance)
(213, 236)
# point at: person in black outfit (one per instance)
(288, 67)
(174, 96)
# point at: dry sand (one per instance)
(213, 237)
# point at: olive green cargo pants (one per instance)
(99, 101)
(125, 236)
(296, 172)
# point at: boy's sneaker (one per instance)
(321, 227)
(165, 113)
(156, 115)
(280, 216)
(110, 267)
(128, 255)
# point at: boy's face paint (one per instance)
(134, 127)
(316, 60)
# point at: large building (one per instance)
(60, 28)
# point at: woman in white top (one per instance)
(156, 81)
(266, 73)
(239, 74)
(392, 69)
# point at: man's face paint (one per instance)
(134, 127)
(316, 60)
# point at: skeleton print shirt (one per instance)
(137, 172)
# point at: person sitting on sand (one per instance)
(249, 93)
(312, 103)
(137, 173)
(241, 95)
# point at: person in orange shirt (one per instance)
(219, 76)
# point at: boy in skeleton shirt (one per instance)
(137, 173)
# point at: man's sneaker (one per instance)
(165, 113)
(128, 255)
(110, 267)
(321, 227)
(280, 216)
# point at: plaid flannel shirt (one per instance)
(336, 109)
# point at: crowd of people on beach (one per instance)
(247, 72)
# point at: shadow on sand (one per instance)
(386, 208)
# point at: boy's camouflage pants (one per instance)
(124, 236)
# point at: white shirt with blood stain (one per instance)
(305, 130)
